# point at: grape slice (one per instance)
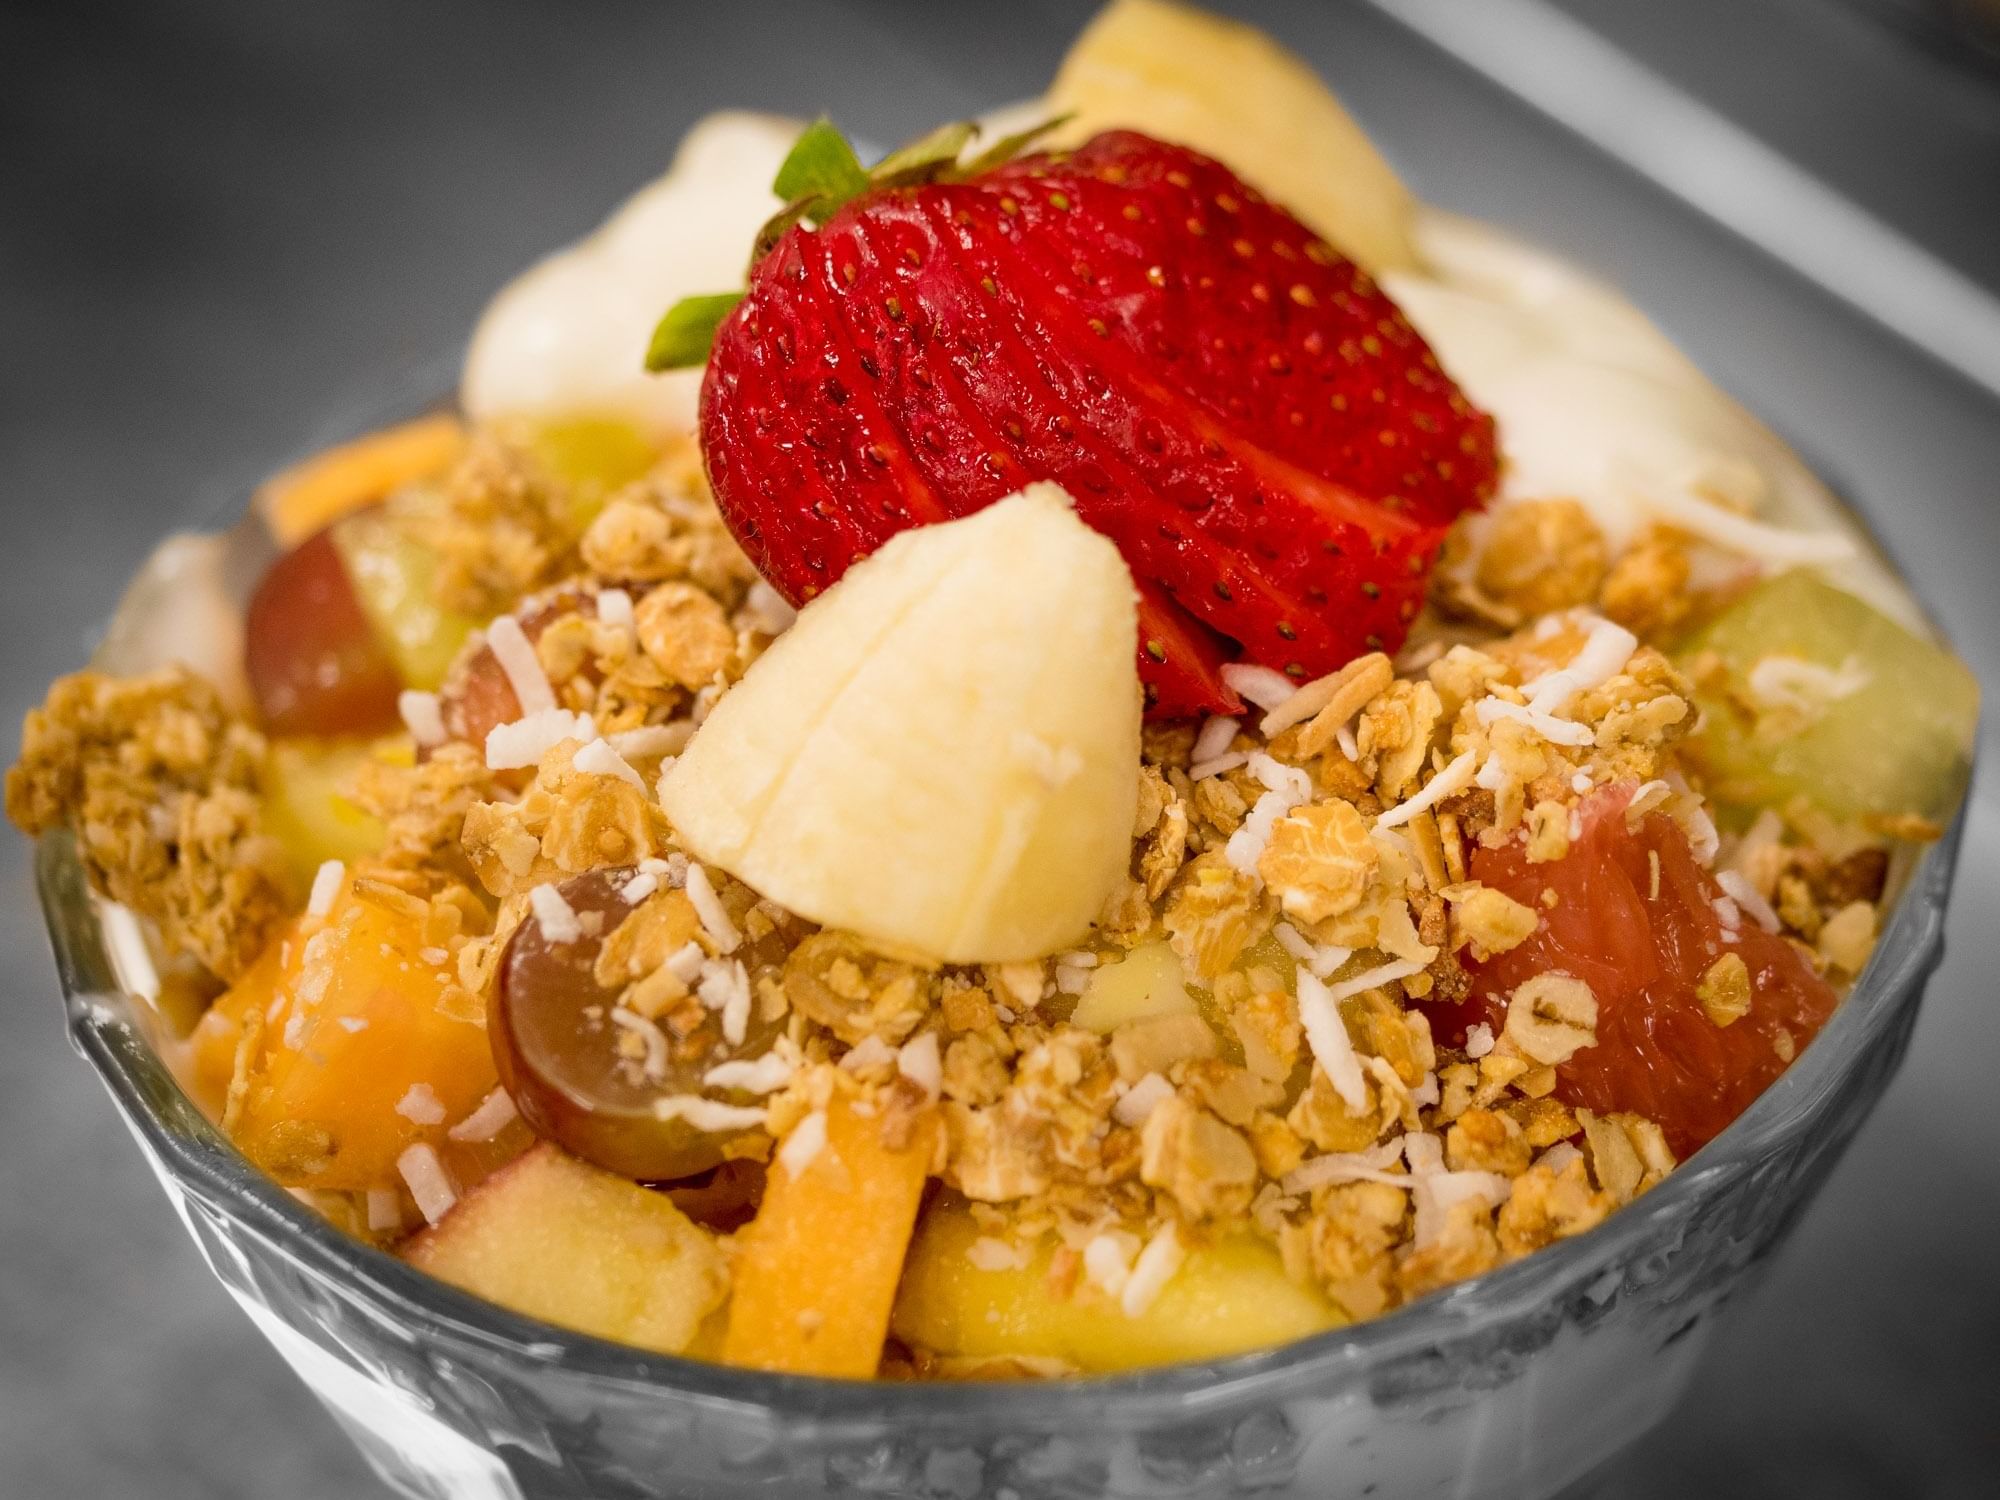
(314, 663)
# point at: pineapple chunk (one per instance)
(1147, 983)
(1228, 90)
(1228, 1297)
(942, 753)
(1809, 693)
(307, 806)
(558, 1239)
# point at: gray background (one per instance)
(221, 223)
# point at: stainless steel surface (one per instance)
(216, 225)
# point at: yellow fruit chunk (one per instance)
(308, 803)
(213, 1044)
(308, 496)
(369, 1047)
(1147, 983)
(560, 1240)
(1231, 92)
(816, 1270)
(942, 753)
(1228, 1297)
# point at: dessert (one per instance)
(1136, 747)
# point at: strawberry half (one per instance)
(1269, 442)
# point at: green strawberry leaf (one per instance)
(820, 164)
(924, 157)
(684, 336)
(1010, 146)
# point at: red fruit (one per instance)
(1643, 955)
(314, 664)
(1270, 443)
(477, 696)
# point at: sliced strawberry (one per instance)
(1261, 432)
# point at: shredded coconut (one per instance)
(1452, 780)
(420, 1105)
(1265, 687)
(1775, 546)
(650, 740)
(1371, 1165)
(1286, 787)
(523, 743)
(1201, 770)
(1368, 979)
(1151, 1272)
(650, 1036)
(1478, 1040)
(1556, 731)
(326, 885)
(558, 919)
(919, 1062)
(803, 1146)
(511, 647)
(870, 1052)
(708, 1115)
(1107, 1260)
(763, 1075)
(1605, 651)
(1436, 1193)
(1322, 958)
(1749, 898)
(686, 962)
(422, 716)
(427, 1180)
(1215, 738)
(989, 1254)
(1332, 1047)
(385, 1209)
(614, 608)
(598, 758)
(496, 1111)
(708, 906)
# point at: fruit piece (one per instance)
(816, 1270)
(1808, 692)
(557, 1239)
(559, 1050)
(590, 455)
(1645, 957)
(394, 577)
(218, 1035)
(308, 803)
(1266, 438)
(312, 495)
(942, 752)
(1148, 982)
(1230, 91)
(1228, 1297)
(477, 696)
(370, 1048)
(314, 663)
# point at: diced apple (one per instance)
(1228, 90)
(369, 1047)
(816, 1270)
(560, 1240)
(1147, 983)
(942, 752)
(308, 802)
(1228, 1297)
(1808, 692)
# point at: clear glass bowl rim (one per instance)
(187, 1147)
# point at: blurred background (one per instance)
(224, 225)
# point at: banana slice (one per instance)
(1228, 90)
(942, 753)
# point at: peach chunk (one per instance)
(816, 1270)
(368, 1046)
(558, 1239)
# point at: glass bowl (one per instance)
(1520, 1383)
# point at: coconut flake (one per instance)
(326, 885)
(496, 1111)
(598, 758)
(1748, 897)
(1490, 710)
(1201, 770)
(1449, 782)
(420, 1105)
(1286, 787)
(558, 919)
(1107, 1260)
(919, 1062)
(1605, 651)
(763, 1075)
(1368, 979)
(1332, 1047)
(1322, 958)
(708, 906)
(1151, 1272)
(422, 715)
(1264, 686)
(1559, 1156)
(1775, 546)
(803, 1146)
(639, 887)
(650, 740)
(869, 1052)
(989, 1254)
(708, 1115)
(1217, 733)
(427, 1181)
(614, 608)
(1371, 1165)
(1478, 1040)
(1435, 1194)
(511, 647)
(685, 963)
(523, 743)
(650, 1036)
(1138, 1102)
(385, 1210)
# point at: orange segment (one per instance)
(310, 495)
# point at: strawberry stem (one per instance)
(684, 336)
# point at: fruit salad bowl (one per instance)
(1522, 1382)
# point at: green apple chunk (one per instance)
(395, 578)
(1228, 1297)
(308, 801)
(1809, 693)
